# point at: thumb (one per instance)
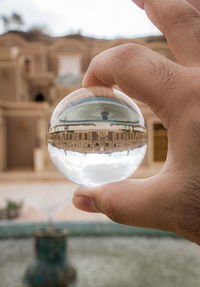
(142, 203)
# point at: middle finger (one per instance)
(180, 22)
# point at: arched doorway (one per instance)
(39, 97)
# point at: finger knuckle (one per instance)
(181, 17)
(168, 77)
(165, 71)
(126, 53)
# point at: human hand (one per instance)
(170, 200)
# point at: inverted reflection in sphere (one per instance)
(97, 135)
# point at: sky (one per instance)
(96, 18)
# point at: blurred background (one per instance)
(45, 49)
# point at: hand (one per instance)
(170, 200)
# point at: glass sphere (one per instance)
(97, 135)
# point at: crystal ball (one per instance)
(97, 135)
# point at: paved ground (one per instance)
(113, 262)
(45, 199)
(48, 194)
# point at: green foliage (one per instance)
(11, 210)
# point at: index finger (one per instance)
(142, 74)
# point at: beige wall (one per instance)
(8, 82)
(22, 130)
(3, 146)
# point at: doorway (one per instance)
(21, 137)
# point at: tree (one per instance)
(16, 19)
(38, 29)
(6, 22)
(13, 22)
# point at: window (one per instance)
(110, 135)
(94, 136)
(28, 64)
(69, 70)
(160, 143)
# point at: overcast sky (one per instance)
(98, 18)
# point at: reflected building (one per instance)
(102, 141)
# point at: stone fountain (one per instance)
(50, 267)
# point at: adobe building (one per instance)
(36, 72)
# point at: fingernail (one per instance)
(85, 203)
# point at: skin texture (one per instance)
(170, 200)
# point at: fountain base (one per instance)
(50, 267)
